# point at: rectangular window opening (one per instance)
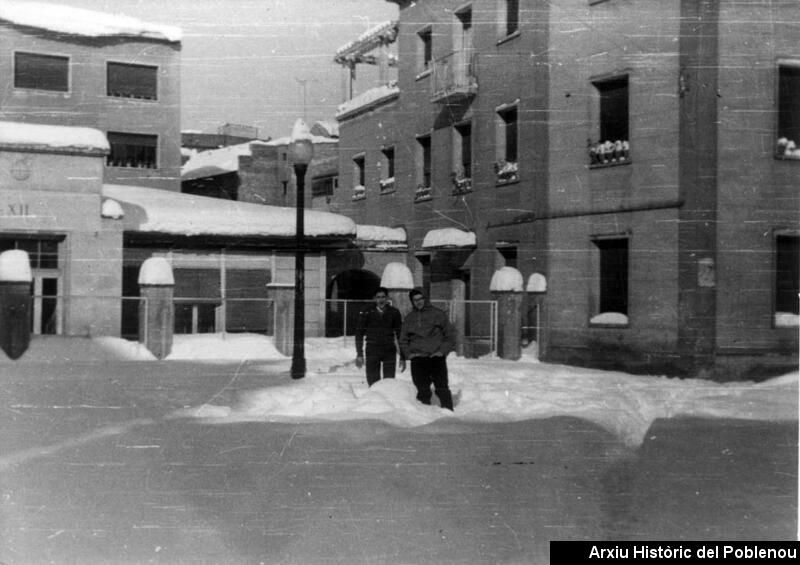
(512, 16)
(425, 47)
(132, 81)
(41, 72)
(788, 143)
(787, 276)
(132, 150)
(613, 272)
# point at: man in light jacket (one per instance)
(426, 339)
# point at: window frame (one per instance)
(424, 167)
(610, 148)
(155, 148)
(776, 290)
(424, 51)
(601, 245)
(154, 68)
(59, 56)
(781, 151)
(508, 27)
(502, 138)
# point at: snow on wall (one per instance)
(397, 276)
(77, 21)
(156, 271)
(506, 279)
(15, 266)
(448, 237)
(162, 211)
(54, 137)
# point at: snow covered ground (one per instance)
(485, 390)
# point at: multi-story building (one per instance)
(640, 156)
(90, 186)
(71, 67)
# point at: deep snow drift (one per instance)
(485, 390)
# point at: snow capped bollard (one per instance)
(15, 302)
(535, 290)
(506, 286)
(156, 310)
(398, 280)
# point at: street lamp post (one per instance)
(302, 151)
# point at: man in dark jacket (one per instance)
(380, 325)
(426, 339)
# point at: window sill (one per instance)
(787, 158)
(44, 92)
(132, 98)
(509, 37)
(131, 167)
(610, 164)
(508, 182)
(423, 74)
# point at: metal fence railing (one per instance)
(475, 322)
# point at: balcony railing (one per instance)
(454, 78)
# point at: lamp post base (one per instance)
(298, 370)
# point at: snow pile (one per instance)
(156, 271)
(215, 161)
(380, 233)
(397, 276)
(53, 137)
(223, 347)
(536, 283)
(448, 237)
(15, 266)
(506, 279)
(163, 211)
(77, 21)
(495, 390)
(111, 209)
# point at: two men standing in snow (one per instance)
(426, 337)
(380, 324)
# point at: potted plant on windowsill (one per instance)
(505, 171)
(359, 192)
(462, 184)
(422, 193)
(386, 185)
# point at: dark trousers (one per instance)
(427, 371)
(374, 359)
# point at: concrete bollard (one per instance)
(506, 287)
(282, 296)
(157, 309)
(15, 303)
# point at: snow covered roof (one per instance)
(368, 99)
(215, 161)
(315, 139)
(384, 32)
(78, 21)
(38, 137)
(162, 211)
(448, 237)
(15, 266)
(325, 128)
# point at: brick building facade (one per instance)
(641, 157)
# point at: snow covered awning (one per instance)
(77, 21)
(367, 100)
(149, 210)
(20, 136)
(380, 237)
(382, 33)
(448, 238)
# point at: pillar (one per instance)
(15, 303)
(157, 307)
(282, 296)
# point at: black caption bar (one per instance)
(716, 552)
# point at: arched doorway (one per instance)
(348, 292)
